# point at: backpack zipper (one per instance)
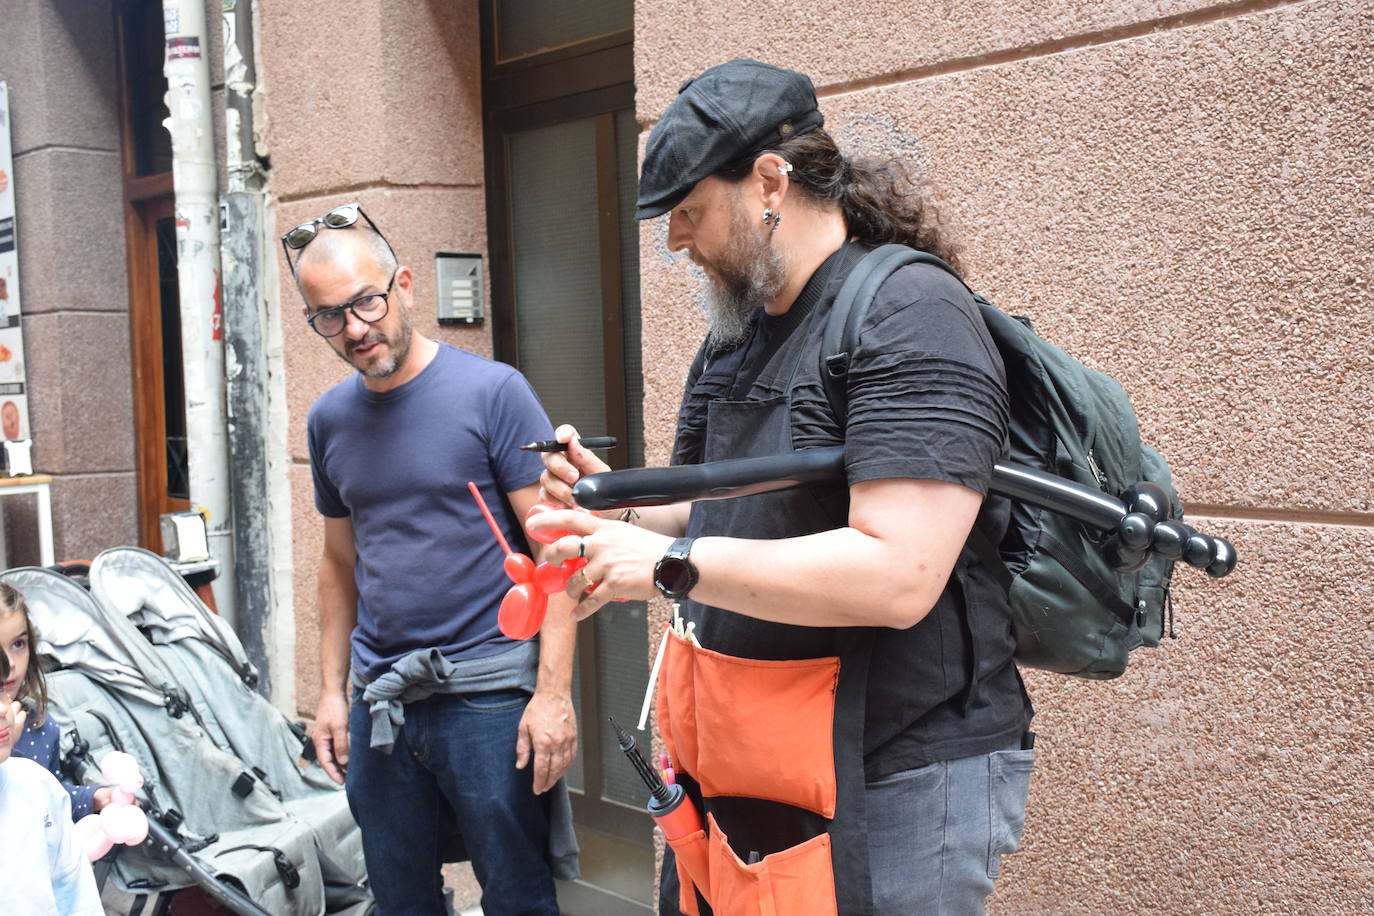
(1097, 471)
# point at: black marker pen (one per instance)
(552, 445)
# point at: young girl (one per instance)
(41, 865)
(39, 740)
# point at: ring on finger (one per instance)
(581, 547)
(587, 582)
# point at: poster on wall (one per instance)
(14, 406)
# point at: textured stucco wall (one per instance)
(380, 104)
(1177, 193)
(58, 59)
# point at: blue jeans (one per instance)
(454, 759)
(937, 833)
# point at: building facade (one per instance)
(1175, 191)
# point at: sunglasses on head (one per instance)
(340, 217)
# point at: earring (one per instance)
(776, 220)
(767, 215)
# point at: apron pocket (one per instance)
(692, 853)
(796, 880)
(677, 708)
(752, 728)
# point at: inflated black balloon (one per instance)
(1225, 561)
(1122, 558)
(1169, 540)
(1200, 551)
(1135, 530)
(1149, 498)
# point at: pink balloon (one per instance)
(90, 833)
(121, 769)
(125, 823)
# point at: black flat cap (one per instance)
(733, 110)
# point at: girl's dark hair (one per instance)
(34, 687)
(881, 200)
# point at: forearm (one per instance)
(835, 578)
(670, 520)
(887, 567)
(557, 646)
(83, 799)
(338, 616)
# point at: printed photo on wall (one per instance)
(14, 416)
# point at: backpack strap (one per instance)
(841, 338)
(848, 311)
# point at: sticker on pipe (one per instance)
(180, 46)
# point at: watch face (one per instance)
(673, 575)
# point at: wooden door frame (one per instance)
(147, 199)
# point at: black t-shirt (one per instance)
(926, 390)
(926, 399)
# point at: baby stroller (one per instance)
(140, 665)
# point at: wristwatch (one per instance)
(674, 574)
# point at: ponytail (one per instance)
(882, 202)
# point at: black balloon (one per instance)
(1200, 551)
(1135, 530)
(1120, 557)
(1169, 540)
(1148, 498)
(1225, 561)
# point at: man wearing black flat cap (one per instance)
(839, 697)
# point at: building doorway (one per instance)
(561, 151)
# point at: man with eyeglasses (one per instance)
(429, 716)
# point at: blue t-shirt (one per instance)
(429, 571)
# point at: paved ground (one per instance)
(466, 894)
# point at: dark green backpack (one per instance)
(1071, 612)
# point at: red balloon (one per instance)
(549, 578)
(548, 536)
(522, 611)
(543, 537)
(519, 568)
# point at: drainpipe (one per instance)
(195, 179)
(255, 393)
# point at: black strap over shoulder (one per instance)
(841, 338)
(847, 314)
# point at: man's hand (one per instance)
(620, 558)
(548, 729)
(563, 469)
(331, 735)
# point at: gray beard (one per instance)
(400, 349)
(753, 275)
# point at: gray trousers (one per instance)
(938, 832)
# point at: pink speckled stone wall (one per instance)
(1179, 194)
(378, 103)
(1175, 191)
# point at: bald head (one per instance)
(356, 246)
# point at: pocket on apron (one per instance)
(752, 728)
(796, 880)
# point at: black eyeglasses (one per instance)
(370, 308)
(340, 217)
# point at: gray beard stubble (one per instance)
(753, 274)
